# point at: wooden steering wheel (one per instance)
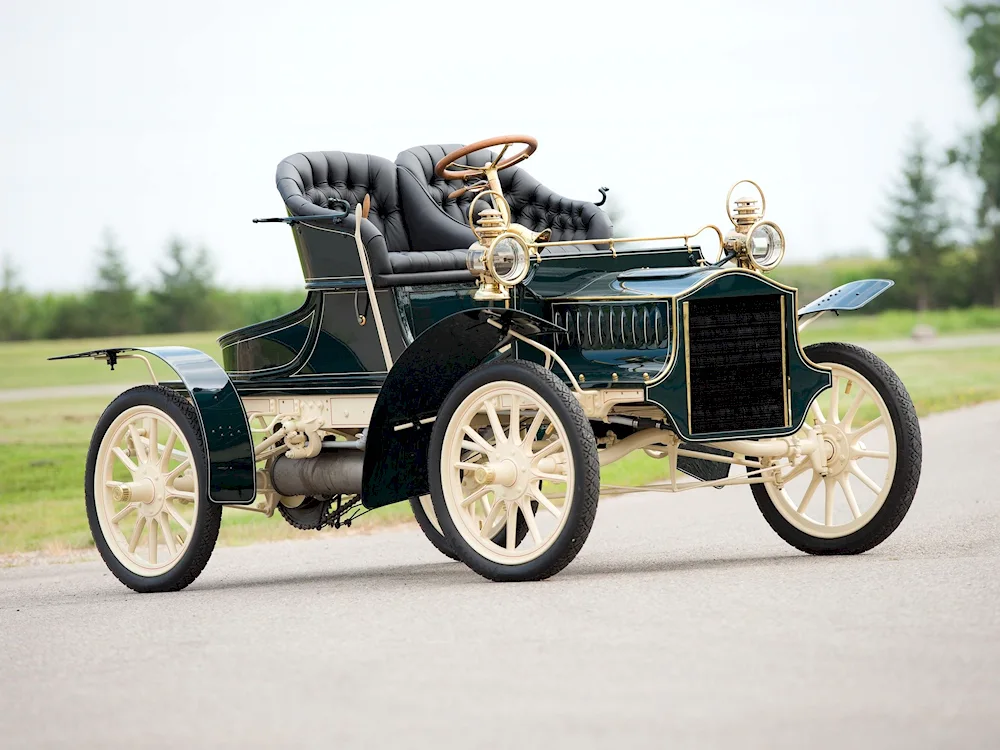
(442, 168)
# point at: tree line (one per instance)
(183, 297)
(922, 234)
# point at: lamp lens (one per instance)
(509, 260)
(766, 246)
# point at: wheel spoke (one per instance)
(863, 453)
(117, 517)
(817, 412)
(862, 431)
(546, 477)
(137, 446)
(178, 470)
(852, 411)
(168, 450)
(133, 541)
(478, 440)
(178, 518)
(491, 520)
(545, 502)
(491, 412)
(153, 434)
(511, 526)
(179, 494)
(535, 426)
(515, 420)
(865, 479)
(810, 491)
(550, 448)
(471, 448)
(830, 497)
(845, 485)
(529, 519)
(167, 536)
(129, 464)
(481, 492)
(151, 541)
(835, 400)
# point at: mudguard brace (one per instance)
(231, 469)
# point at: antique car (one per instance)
(479, 346)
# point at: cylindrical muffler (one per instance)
(330, 473)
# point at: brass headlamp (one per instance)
(758, 244)
(500, 257)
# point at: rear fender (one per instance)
(400, 429)
(231, 469)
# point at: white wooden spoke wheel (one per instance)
(506, 457)
(870, 439)
(145, 483)
(146, 498)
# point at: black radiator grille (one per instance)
(615, 325)
(736, 379)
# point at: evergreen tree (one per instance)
(112, 301)
(12, 308)
(981, 25)
(918, 227)
(184, 299)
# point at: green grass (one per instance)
(898, 324)
(43, 444)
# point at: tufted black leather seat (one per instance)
(434, 220)
(308, 182)
(414, 233)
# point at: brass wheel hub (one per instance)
(837, 448)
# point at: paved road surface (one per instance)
(685, 622)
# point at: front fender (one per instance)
(400, 429)
(852, 296)
(231, 468)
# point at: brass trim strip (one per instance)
(784, 365)
(687, 364)
(366, 269)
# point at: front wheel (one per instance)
(525, 439)
(147, 491)
(871, 438)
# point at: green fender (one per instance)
(416, 386)
(231, 467)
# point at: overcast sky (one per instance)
(156, 119)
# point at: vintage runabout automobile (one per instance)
(479, 346)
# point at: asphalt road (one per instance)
(684, 622)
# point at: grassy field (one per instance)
(43, 444)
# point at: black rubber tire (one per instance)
(433, 535)
(206, 524)
(909, 453)
(441, 544)
(587, 477)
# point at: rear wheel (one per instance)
(523, 436)
(146, 490)
(872, 441)
(423, 512)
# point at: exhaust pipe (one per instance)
(330, 473)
